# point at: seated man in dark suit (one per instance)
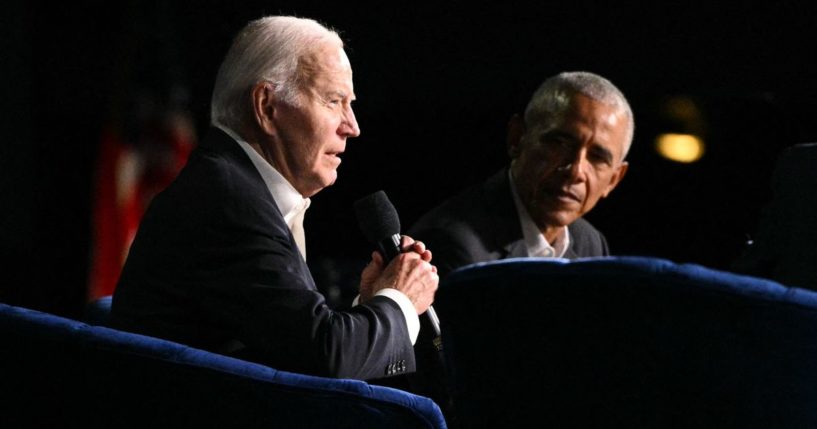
(566, 154)
(783, 249)
(219, 259)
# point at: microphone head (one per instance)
(377, 217)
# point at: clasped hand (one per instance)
(410, 272)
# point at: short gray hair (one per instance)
(555, 93)
(267, 49)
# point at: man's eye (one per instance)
(600, 158)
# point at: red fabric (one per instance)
(129, 175)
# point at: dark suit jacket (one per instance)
(214, 266)
(785, 245)
(478, 225)
(481, 224)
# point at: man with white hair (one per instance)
(219, 259)
(567, 154)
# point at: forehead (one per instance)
(326, 65)
(584, 118)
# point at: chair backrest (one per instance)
(627, 342)
(58, 372)
(783, 245)
(98, 311)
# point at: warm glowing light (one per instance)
(684, 148)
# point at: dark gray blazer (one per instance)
(785, 245)
(215, 266)
(481, 224)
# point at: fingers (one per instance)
(410, 272)
(417, 264)
(369, 276)
(411, 267)
(422, 284)
(426, 256)
(408, 244)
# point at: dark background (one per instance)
(436, 85)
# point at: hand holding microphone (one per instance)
(400, 262)
(409, 272)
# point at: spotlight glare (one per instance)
(684, 148)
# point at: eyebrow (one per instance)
(341, 94)
(595, 148)
(558, 134)
(604, 152)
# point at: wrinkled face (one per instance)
(563, 168)
(312, 134)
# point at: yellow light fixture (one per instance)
(684, 148)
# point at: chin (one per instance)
(331, 177)
(327, 180)
(559, 219)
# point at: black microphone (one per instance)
(380, 224)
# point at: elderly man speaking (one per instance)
(219, 259)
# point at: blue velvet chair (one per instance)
(58, 372)
(98, 311)
(627, 342)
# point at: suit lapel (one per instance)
(507, 231)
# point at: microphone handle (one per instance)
(390, 248)
(435, 322)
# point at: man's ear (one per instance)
(516, 129)
(263, 106)
(616, 178)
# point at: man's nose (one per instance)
(575, 166)
(348, 125)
